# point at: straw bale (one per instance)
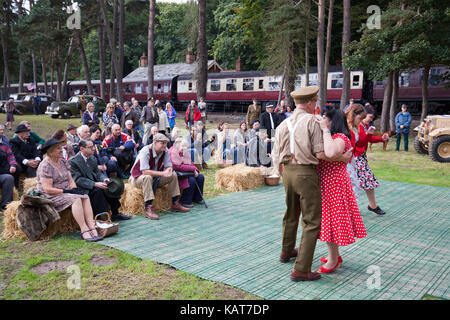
(239, 178)
(29, 183)
(132, 200)
(66, 224)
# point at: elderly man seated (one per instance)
(120, 147)
(87, 176)
(8, 167)
(39, 141)
(152, 169)
(83, 133)
(153, 130)
(25, 151)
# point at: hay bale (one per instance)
(66, 224)
(239, 178)
(132, 200)
(29, 183)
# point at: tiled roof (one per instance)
(164, 71)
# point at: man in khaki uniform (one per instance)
(297, 149)
(152, 163)
(253, 113)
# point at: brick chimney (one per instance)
(238, 64)
(143, 61)
(189, 57)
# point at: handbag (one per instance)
(105, 228)
(181, 175)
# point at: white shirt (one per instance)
(271, 121)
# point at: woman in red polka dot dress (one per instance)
(341, 221)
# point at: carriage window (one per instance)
(182, 86)
(356, 81)
(403, 80)
(128, 88)
(166, 87)
(248, 84)
(261, 84)
(138, 88)
(76, 91)
(231, 84)
(274, 83)
(298, 82)
(337, 80)
(215, 85)
(379, 83)
(435, 77)
(313, 79)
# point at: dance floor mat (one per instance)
(237, 241)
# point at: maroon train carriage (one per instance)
(234, 91)
(410, 91)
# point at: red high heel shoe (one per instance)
(324, 270)
(325, 260)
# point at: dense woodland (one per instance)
(281, 36)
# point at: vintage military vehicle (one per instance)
(67, 109)
(433, 137)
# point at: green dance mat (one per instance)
(237, 241)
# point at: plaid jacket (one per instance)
(10, 155)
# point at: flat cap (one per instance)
(70, 127)
(304, 95)
(160, 137)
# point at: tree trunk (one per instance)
(426, 74)
(328, 48)
(66, 69)
(52, 74)
(151, 52)
(21, 63)
(110, 39)
(202, 53)
(58, 83)
(121, 50)
(33, 58)
(44, 77)
(87, 74)
(101, 56)
(386, 103)
(4, 39)
(320, 52)
(282, 83)
(345, 41)
(308, 12)
(113, 73)
(393, 109)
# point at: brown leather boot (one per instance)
(204, 166)
(179, 208)
(151, 214)
(286, 256)
(304, 276)
(199, 167)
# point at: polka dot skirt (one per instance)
(341, 221)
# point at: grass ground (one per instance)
(123, 276)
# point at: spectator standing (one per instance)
(129, 114)
(150, 119)
(202, 107)
(36, 104)
(171, 115)
(253, 112)
(402, 125)
(163, 123)
(192, 114)
(9, 110)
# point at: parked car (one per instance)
(24, 102)
(70, 108)
(433, 138)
